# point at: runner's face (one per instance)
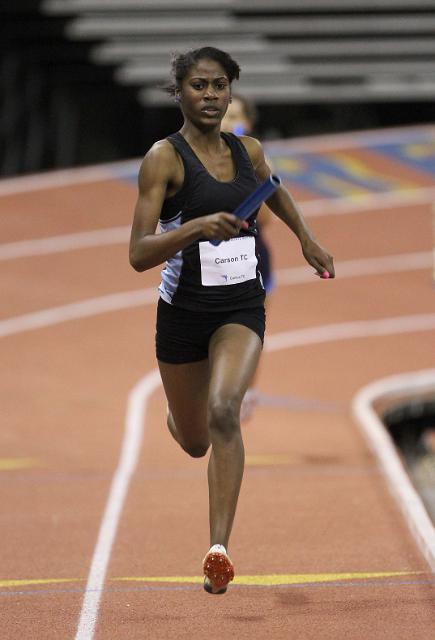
(205, 93)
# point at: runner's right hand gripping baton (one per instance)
(252, 202)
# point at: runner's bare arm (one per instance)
(283, 206)
(157, 174)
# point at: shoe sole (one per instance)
(208, 588)
(219, 571)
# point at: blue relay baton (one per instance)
(253, 201)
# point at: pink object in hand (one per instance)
(325, 275)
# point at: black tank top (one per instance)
(191, 278)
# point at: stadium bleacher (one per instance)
(64, 61)
(292, 50)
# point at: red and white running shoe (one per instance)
(218, 570)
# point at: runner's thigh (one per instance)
(186, 387)
(234, 353)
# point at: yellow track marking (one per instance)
(177, 579)
(9, 464)
(276, 579)
(360, 169)
(36, 581)
(268, 459)
(257, 580)
(423, 150)
(291, 165)
(341, 185)
(315, 577)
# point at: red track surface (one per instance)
(313, 500)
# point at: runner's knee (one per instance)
(197, 450)
(224, 416)
(188, 436)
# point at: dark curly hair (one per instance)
(181, 63)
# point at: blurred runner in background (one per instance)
(240, 119)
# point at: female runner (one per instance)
(210, 314)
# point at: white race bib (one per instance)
(231, 262)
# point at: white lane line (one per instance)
(67, 177)
(135, 424)
(65, 242)
(137, 298)
(417, 134)
(134, 429)
(383, 447)
(365, 266)
(119, 235)
(369, 202)
(77, 310)
(350, 330)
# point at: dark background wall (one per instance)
(59, 109)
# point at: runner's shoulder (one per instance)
(254, 148)
(162, 152)
(160, 161)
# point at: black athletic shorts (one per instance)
(183, 335)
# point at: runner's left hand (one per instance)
(318, 258)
